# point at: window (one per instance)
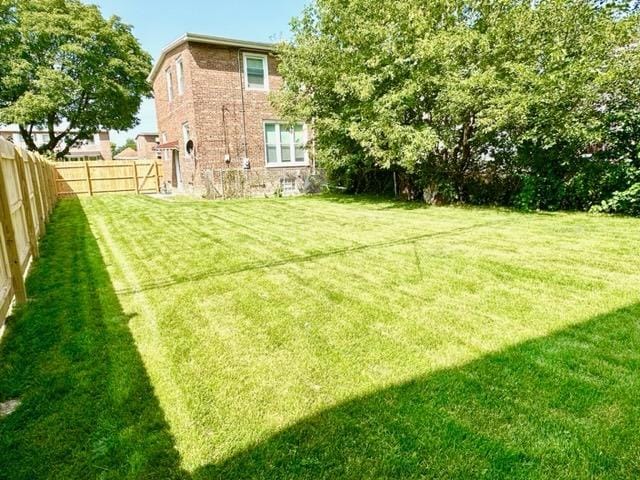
(256, 72)
(284, 146)
(169, 78)
(180, 74)
(185, 136)
(163, 153)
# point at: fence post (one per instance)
(15, 268)
(87, 169)
(157, 177)
(46, 184)
(135, 176)
(36, 181)
(50, 184)
(26, 203)
(53, 175)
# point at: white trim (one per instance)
(168, 76)
(180, 75)
(209, 40)
(265, 64)
(186, 136)
(292, 145)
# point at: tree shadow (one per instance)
(564, 406)
(88, 407)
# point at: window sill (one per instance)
(289, 164)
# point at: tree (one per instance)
(64, 64)
(470, 98)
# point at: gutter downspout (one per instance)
(244, 120)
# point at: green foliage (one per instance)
(468, 97)
(627, 202)
(63, 63)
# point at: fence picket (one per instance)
(26, 200)
(26, 204)
(82, 178)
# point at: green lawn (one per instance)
(320, 337)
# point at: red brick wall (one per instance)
(217, 83)
(146, 145)
(213, 83)
(173, 114)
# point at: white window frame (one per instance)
(186, 136)
(164, 140)
(180, 75)
(265, 63)
(280, 163)
(169, 78)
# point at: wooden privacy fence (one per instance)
(90, 178)
(27, 198)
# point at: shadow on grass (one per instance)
(384, 202)
(88, 408)
(563, 406)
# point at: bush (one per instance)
(626, 202)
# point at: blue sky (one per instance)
(157, 23)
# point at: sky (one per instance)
(156, 23)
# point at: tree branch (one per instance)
(69, 143)
(26, 136)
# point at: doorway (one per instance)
(176, 175)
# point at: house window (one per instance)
(169, 78)
(163, 153)
(284, 145)
(185, 136)
(180, 74)
(256, 72)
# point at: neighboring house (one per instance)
(98, 148)
(147, 146)
(214, 92)
(128, 154)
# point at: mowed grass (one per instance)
(325, 337)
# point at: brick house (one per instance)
(216, 123)
(147, 146)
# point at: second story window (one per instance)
(256, 72)
(180, 76)
(169, 77)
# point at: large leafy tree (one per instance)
(63, 63)
(449, 90)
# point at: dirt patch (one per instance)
(8, 407)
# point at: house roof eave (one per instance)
(209, 40)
